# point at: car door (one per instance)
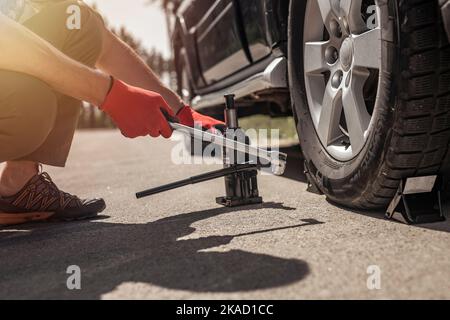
(220, 47)
(256, 17)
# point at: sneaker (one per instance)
(41, 200)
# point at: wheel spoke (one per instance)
(326, 9)
(367, 49)
(356, 115)
(352, 10)
(315, 57)
(328, 126)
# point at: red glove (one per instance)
(189, 117)
(137, 112)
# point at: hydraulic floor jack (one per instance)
(241, 184)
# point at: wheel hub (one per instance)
(346, 54)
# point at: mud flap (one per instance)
(312, 186)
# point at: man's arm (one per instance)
(137, 112)
(119, 60)
(23, 51)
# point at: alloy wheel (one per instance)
(342, 63)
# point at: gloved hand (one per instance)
(137, 112)
(189, 117)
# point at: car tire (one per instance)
(409, 129)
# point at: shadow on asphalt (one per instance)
(110, 254)
(380, 215)
(295, 171)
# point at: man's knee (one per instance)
(28, 109)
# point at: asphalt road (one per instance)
(181, 245)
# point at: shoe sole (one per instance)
(86, 216)
(9, 219)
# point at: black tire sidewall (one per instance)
(343, 182)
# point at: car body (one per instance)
(232, 46)
(238, 46)
(367, 81)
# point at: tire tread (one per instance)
(421, 133)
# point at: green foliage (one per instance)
(285, 125)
